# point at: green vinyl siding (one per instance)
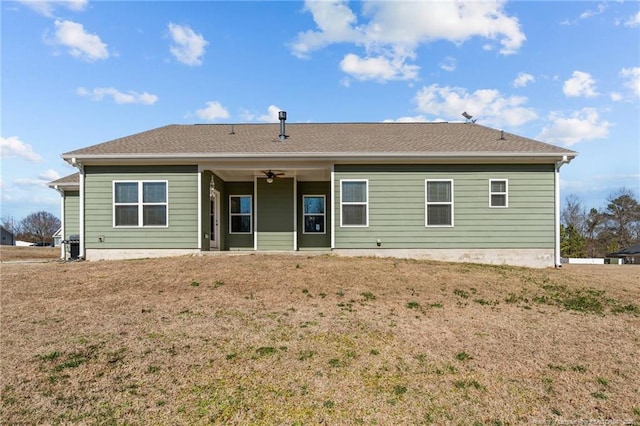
(397, 207)
(275, 241)
(182, 229)
(275, 213)
(71, 214)
(313, 240)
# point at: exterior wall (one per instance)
(397, 208)
(274, 214)
(182, 232)
(71, 214)
(313, 241)
(236, 241)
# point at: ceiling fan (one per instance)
(271, 175)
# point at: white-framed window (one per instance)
(354, 202)
(140, 203)
(439, 202)
(240, 214)
(498, 193)
(313, 211)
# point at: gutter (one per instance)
(188, 158)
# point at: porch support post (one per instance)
(199, 175)
(295, 214)
(255, 213)
(333, 208)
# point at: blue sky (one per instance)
(76, 73)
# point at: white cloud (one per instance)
(48, 7)
(391, 32)
(580, 126)
(49, 175)
(42, 180)
(271, 116)
(632, 79)
(523, 79)
(13, 147)
(633, 21)
(580, 84)
(414, 119)
(589, 13)
(130, 97)
(81, 44)
(213, 111)
(449, 64)
(334, 20)
(378, 68)
(489, 106)
(188, 47)
(615, 96)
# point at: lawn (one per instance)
(295, 339)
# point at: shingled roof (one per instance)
(70, 181)
(316, 140)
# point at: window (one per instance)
(354, 203)
(313, 214)
(140, 203)
(240, 214)
(498, 193)
(439, 202)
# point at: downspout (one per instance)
(557, 210)
(62, 221)
(80, 167)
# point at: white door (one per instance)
(214, 212)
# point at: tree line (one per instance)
(37, 227)
(596, 233)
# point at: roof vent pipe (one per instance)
(282, 116)
(501, 135)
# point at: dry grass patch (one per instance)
(273, 339)
(18, 253)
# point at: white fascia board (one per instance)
(189, 158)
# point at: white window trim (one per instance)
(140, 204)
(427, 203)
(250, 214)
(324, 214)
(355, 203)
(505, 193)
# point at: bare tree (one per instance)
(10, 224)
(574, 214)
(39, 227)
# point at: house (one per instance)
(57, 238)
(446, 191)
(6, 237)
(630, 254)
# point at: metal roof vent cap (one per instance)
(282, 116)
